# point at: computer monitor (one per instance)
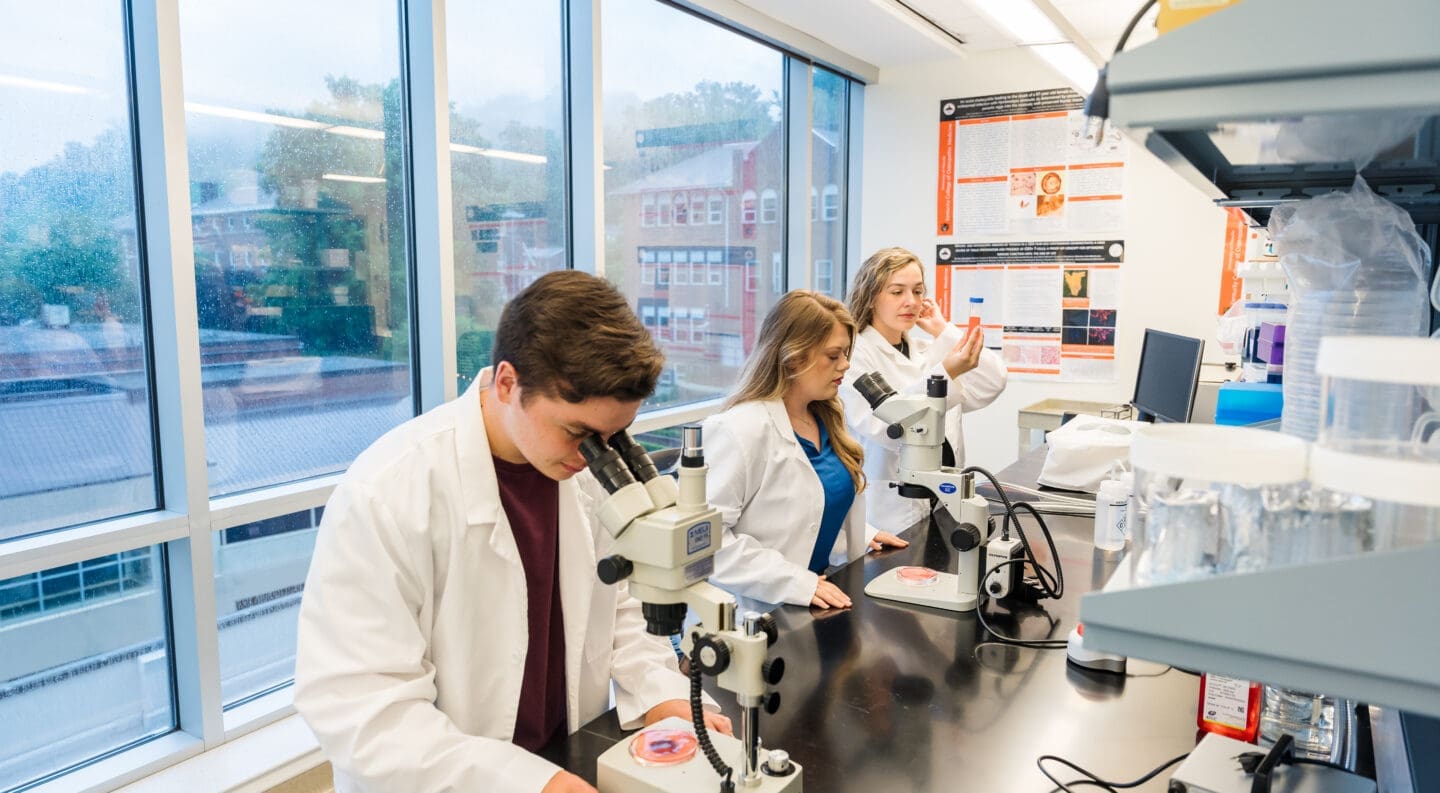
(1168, 376)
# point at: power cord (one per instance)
(1034, 644)
(697, 718)
(1092, 780)
(1052, 584)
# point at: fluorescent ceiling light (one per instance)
(1025, 22)
(43, 85)
(350, 177)
(356, 132)
(1071, 63)
(517, 156)
(250, 115)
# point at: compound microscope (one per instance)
(665, 538)
(961, 515)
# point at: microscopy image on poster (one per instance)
(1050, 308)
(1027, 162)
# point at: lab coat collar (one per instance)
(877, 338)
(775, 408)
(472, 450)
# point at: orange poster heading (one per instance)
(1089, 165)
(1075, 198)
(945, 189)
(1030, 116)
(980, 179)
(1037, 168)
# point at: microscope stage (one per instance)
(618, 772)
(942, 594)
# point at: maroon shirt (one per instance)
(532, 504)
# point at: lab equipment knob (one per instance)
(714, 655)
(770, 629)
(615, 568)
(772, 670)
(771, 702)
(894, 432)
(966, 537)
(778, 763)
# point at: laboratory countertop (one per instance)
(886, 696)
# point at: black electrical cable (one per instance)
(1130, 28)
(1094, 781)
(697, 718)
(1053, 584)
(1034, 644)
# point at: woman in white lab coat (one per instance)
(888, 300)
(784, 472)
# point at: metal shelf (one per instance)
(1366, 627)
(1283, 60)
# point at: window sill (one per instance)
(252, 763)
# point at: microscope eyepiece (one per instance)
(606, 464)
(634, 455)
(692, 451)
(936, 386)
(874, 388)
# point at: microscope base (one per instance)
(617, 772)
(942, 594)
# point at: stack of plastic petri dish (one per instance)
(1378, 450)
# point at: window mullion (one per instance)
(426, 69)
(798, 119)
(179, 398)
(586, 138)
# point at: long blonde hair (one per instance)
(798, 324)
(871, 280)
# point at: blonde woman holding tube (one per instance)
(784, 472)
(888, 300)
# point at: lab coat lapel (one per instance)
(577, 588)
(892, 354)
(478, 486)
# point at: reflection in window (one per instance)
(769, 206)
(259, 577)
(507, 161)
(87, 663)
(828, 171)
(831, 208)
(306, 358)
(76, 439)
(704, 138)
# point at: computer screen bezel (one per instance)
(1145, 413)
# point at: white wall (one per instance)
(1173, 234)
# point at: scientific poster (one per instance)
(1049, 308)
(1024, 163)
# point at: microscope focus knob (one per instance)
(612, 569)
(771, 702)
(894, 432)
(772, 670)
(778, 762)
(771, 630)
(714, 655)
(966, 537)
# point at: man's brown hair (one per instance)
(573, 336)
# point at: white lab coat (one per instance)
(973, 390)
(413, 628)
(770, 501)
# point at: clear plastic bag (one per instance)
(1355, 267)
(1356, 138)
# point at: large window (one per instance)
(86, 663)
(298, 199)
(76, 438)
(829, 154)
(507, 161)
(133, 597)
(702, 134)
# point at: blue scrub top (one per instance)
(839, 495)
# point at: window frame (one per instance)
(187, 525)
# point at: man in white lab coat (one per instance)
(452, 622)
